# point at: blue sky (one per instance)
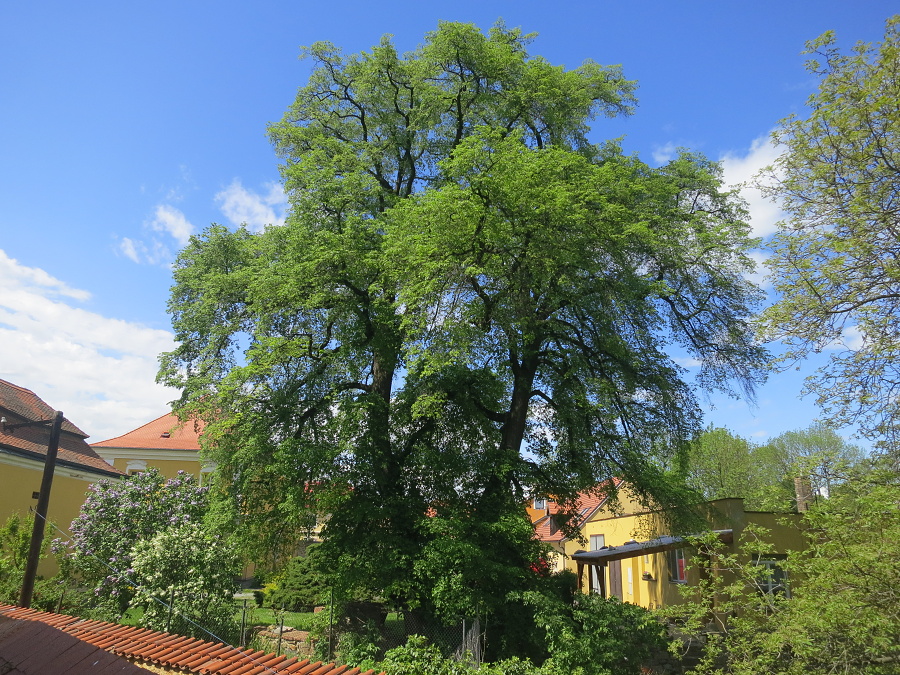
(128, 126)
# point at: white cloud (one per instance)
(851, 338)
(129, 248)
(242, 206)
(740, 169)
(171, 221)
(11, 270)
(760, 276)
(664, 153)
(687, 361)
(167, 224)
(98, 370)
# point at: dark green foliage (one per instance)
(299, 587)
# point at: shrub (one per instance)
(299, 587)
(192, 570)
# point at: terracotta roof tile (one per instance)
(18, 405)
(162, 433)
(587, 503)
(26, 404)
(35, 648)
(175, 651)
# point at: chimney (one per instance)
(803, 492)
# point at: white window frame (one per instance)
(677, 572)
(135, 466)
(770, 582)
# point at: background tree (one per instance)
(721, 465)
(468, 300)
(817, 454)
(118, 514)
(834, 260)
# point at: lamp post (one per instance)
(40, 514)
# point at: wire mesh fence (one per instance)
(326, 635)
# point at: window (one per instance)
(135, 466)
(676, 560)
(540, 503)
(205, 475)
(598, 541)
(772, 579)
(630, 581)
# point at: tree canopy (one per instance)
(835, 256)
(469, 301)
(722, 465)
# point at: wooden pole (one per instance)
(40, 514)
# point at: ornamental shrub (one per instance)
(119, 513)
(299, 587)
(184, 579)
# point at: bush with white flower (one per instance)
(184, 579)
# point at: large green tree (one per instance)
(469, 300)
(835, 256)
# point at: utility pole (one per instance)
(40, 515)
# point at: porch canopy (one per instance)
(597, 560)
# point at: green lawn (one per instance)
(266, 616)
(256, 616)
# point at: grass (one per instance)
(256, 616)
(266, 616)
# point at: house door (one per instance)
(615, 579)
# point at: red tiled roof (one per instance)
(189, 655)
(18, 405)
(35, 648)
(166, 432)
(25, 403)
(587, 503)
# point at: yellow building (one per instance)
(166, 444)
(23, 450)
(632, 555)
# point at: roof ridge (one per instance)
(146, 424)
(16, 386)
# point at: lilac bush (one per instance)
(117, 515)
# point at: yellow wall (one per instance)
(167, 467)
(66, 497)
(659, 590)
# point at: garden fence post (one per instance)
(171, 606)
(331, 624)
(244, 624)
(280, 631)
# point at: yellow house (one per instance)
(23, 450)
(631, 554)
(546, 515)
(166, 444)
